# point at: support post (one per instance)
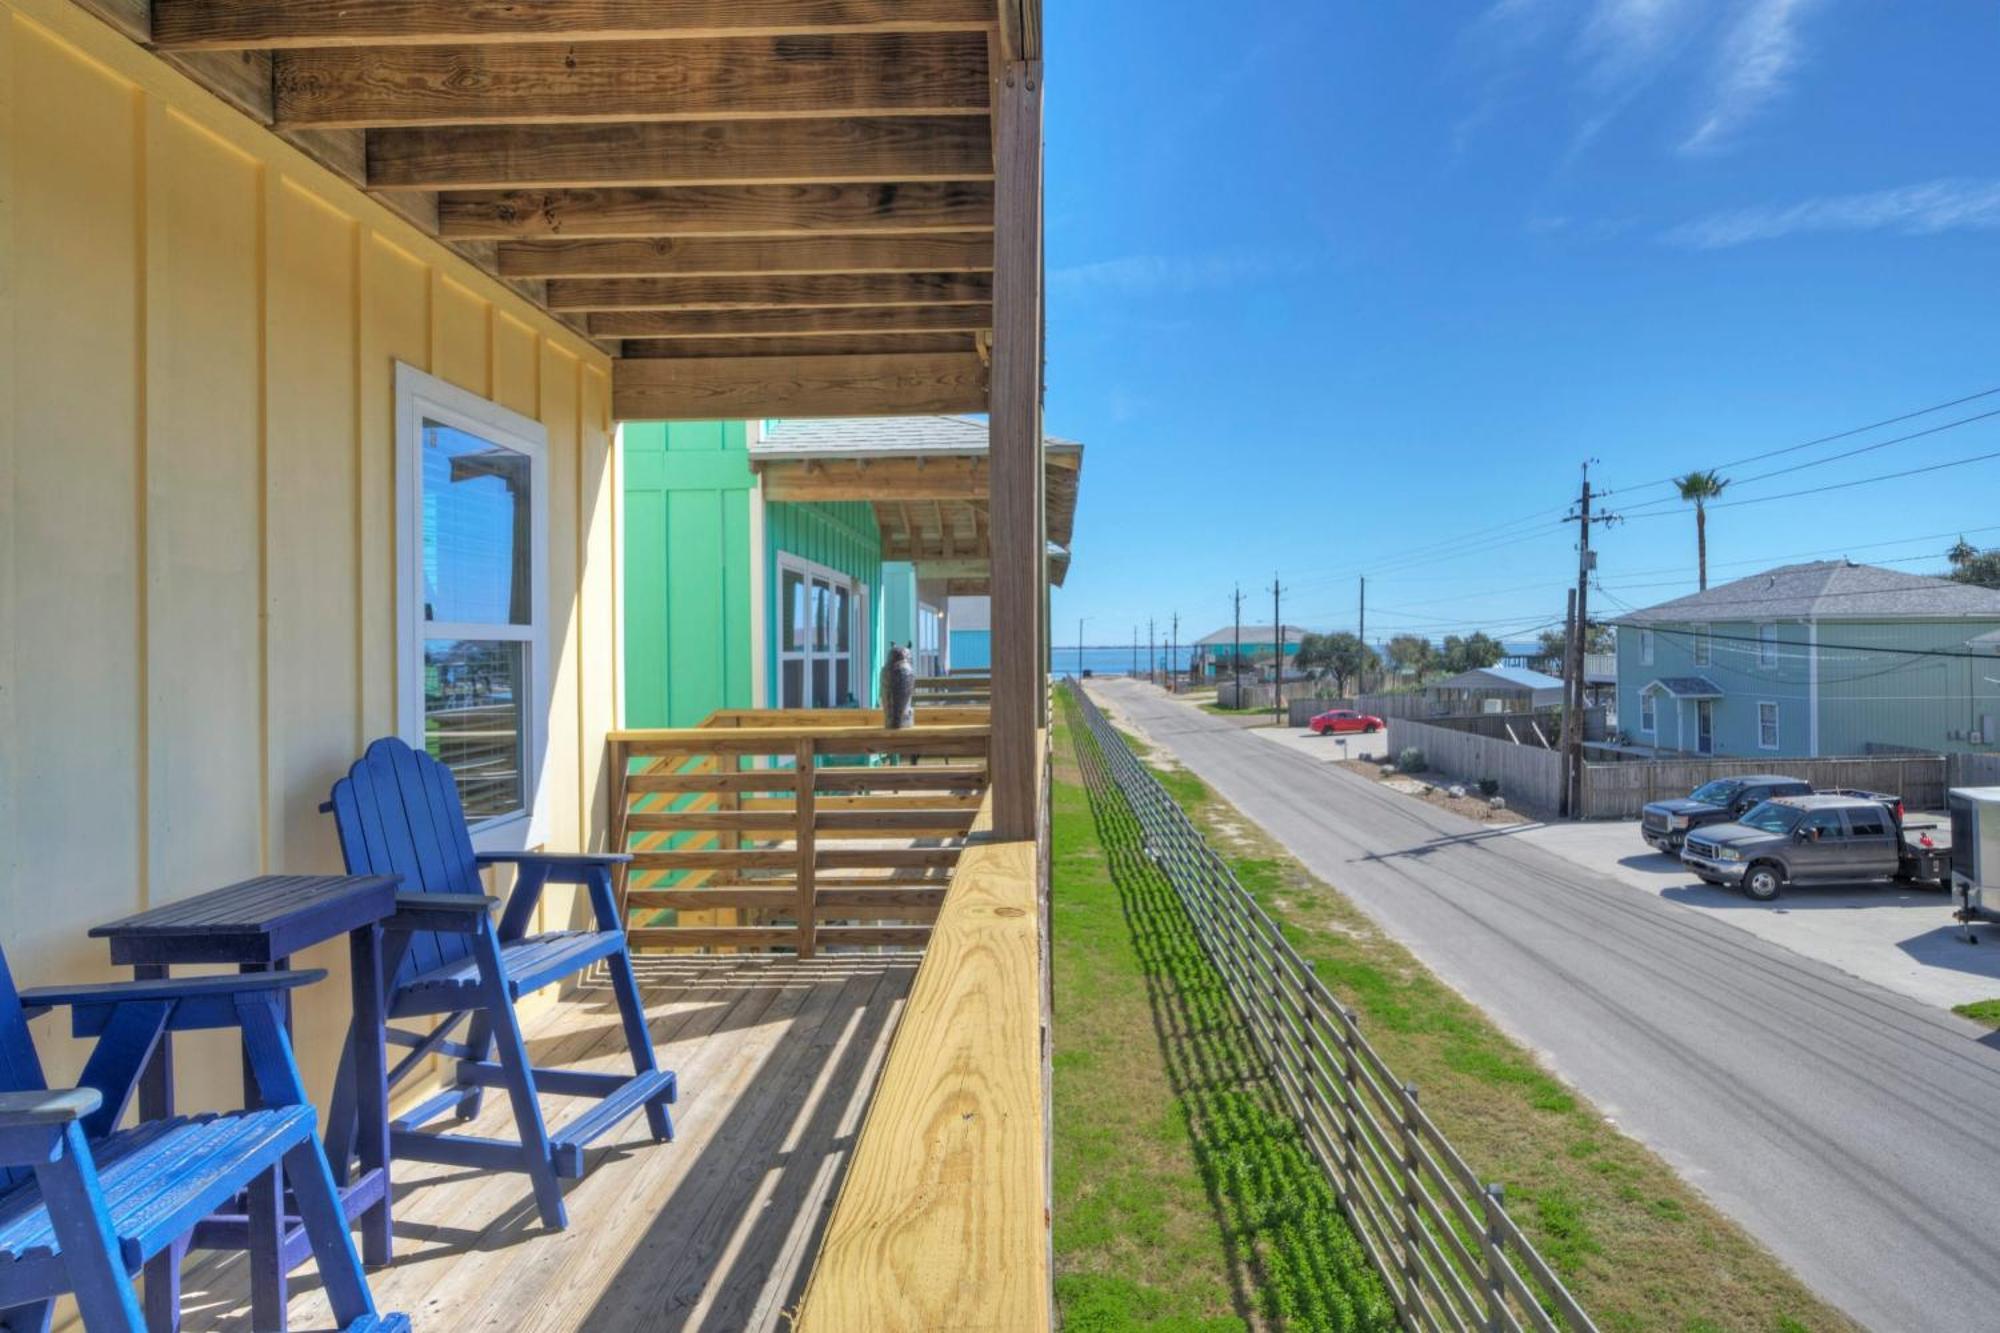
(1019, 534)
(807, 903)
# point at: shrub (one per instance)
(1411, 760)
(1489, 787)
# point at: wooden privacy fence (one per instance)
(1449, 1252)
(1621, 790)
(779, 828)
(1527, 774)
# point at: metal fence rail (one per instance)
(1452, 1257)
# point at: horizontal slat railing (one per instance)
(727, 837)
(942, 1221)
(1449, 1253)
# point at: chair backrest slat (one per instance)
(20, 1067)
(398, 813)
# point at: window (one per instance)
(1868, 822)
(1647, 700)
(1701, 645)
(818, 662)
(1767, 726)
(1646, 648)
(1767, 645)
(929, 651)
(472, 570)
(1824, 825)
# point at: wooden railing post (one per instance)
(807, 902)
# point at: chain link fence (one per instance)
(1441, 1238)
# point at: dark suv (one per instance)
(1665, 824)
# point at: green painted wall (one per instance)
(844, 537)
(687, 571)
(899, 603)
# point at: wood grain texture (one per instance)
(663, 256)
(309, 23)
(840, 75)
(877, 344)
(688, 389)
(837, 321)
(709, 152)
(942, 1222)
(821, 290)
(880, 208)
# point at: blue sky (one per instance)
(1355, 287)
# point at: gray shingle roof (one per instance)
(878, 437)
(1827, 590)
(1251, 634)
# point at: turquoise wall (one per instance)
(844, 537)
(971, 649)
(899, 603)
(687, 488)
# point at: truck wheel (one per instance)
(1762, 881)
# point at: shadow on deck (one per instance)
(777, 1058)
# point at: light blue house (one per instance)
(1827, 658)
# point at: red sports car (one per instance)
(1344, 719)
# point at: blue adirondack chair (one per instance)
(398, 814)
(83, 1205)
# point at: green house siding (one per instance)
(687, 494)
(844, 537)
(899, 603)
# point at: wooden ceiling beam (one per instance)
(864, 74)
(745, 388)
(931, 479)
(320, 23)
(878, 344)
(878, 208)
(837, 322)
(771, 293)
(733, 257)
(725, 152)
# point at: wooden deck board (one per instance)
(777, 1058)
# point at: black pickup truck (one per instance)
(1665, 824)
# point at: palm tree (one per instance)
(1698, 488)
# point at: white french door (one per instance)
(818, 637)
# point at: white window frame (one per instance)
(857, 652)
(1649, 704)
(1700, 652)
(1767, 645)
(1645, 647)
(1776, 714)
(421, 397)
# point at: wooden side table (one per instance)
(258, 924)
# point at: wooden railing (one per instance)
(942, 1222)
(956, 690)
(728, 838)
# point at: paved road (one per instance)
(1855, 1131)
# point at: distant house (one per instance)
(1215, 653)
(970, 647)
(1826, 658)
(1495, 689)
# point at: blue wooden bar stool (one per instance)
(398, 813)
(84, 1205)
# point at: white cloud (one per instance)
(1624, 42)
(1133, 275)
(1911, 210)
(1754, 66)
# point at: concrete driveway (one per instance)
(1898, 936)
(1326, 749)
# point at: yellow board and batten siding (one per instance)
(197, 471)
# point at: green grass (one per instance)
(1980, 1011)
(1638, 1246)
(1185, 1199)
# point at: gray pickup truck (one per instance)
(1824, 838)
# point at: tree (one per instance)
(1698, 488)
(1342, 656)
(1478, 649)
(1555, 643)
(1414, 653)
(1969, 564)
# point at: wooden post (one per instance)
(1413, 1271)
(1019, 540)
(1495, 1200)
(807, 902)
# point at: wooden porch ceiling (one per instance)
(762, 207)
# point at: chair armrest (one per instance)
(452, 913)
(54, 1106)
(161, 989)
(446, 902)
(556, 859)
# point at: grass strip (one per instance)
(1637, 1246)
(1185, 1197)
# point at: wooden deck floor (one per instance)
(777, 1059)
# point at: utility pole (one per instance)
(1079, 646)
(1135, 652)
(1173, 652)
(1278, 679)
(1573, 650)
(1237, 656)
(1152, 655)
(1361, 630)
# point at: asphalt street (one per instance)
(1853, 1130)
